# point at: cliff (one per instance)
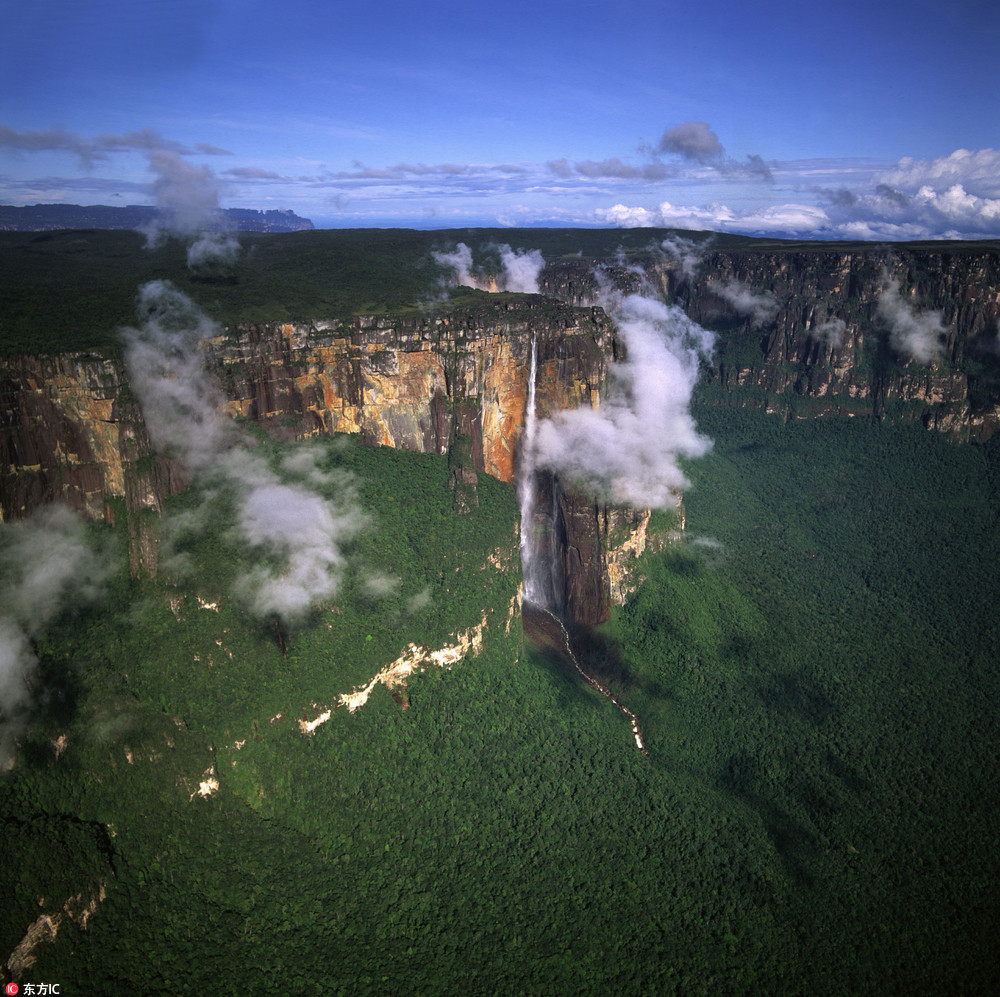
(453, 383)
(71, 431)
(806, 332)
(801, 332)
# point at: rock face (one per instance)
(417, 383)
(454, 384)
(71, 431)
(800, 332)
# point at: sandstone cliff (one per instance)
(799, 333)
(454, 383)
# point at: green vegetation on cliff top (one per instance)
(71, 290)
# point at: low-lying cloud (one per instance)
(520, 269)
(916, 335)
(832, 331)
(688, 253)
(297, 517)
(211, 250)
(760, 306)
(628, 449)
(49, 569)
(188, 198)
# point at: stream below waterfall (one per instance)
(545, 630)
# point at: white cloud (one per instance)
(832, 331)
(213, 249)
(49, 568)
(761, 306)
(976, 171)
(952, 197)
(297, 517)
(627, 449)
(689, 254)
(519, 269)
(784, 219)
(917, 335)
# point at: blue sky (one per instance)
(861, 120)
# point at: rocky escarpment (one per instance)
(453, 383)
(419, 382)
(800, 331)
(71, 431)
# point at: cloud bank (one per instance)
(684, 179)
(627, 450)
(952, 197)
(296, 518)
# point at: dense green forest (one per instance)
(815, 670)
(71, 290)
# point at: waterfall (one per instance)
(527, 489)
(541, 581)
(547, 630)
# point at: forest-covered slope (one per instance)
(388, 787)
(813, 667)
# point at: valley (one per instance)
(746, 747)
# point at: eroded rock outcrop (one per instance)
(416, 383)
(800, 332)
(452, 383)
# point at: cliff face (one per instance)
(71, 431)
(801, 333)
(416, 383)
(455, 383)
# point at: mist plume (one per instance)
(49, 569)
(761, 306)
(687, 252)
(520, 269)
(833, 332)
(288, 516)
(627, 449)
(188, 199)
(917, 335)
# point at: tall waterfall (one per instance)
(542, 611)
(527, 490)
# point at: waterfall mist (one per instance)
(627, 450)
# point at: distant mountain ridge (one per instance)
(42, 217)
